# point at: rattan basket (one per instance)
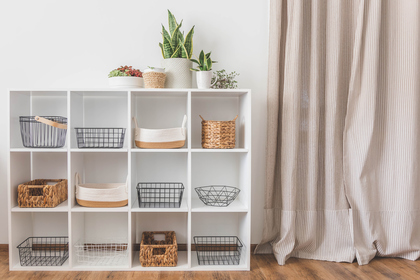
(158, 252)
(41, 193)
(218, 134)
(154, 79)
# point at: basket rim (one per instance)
(178, 188)
(174, 243)
(213, 236)
(100, 128)
(32, 237)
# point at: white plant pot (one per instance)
(178, 73)
(204, 79)
(125, 82)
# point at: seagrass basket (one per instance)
(218, 134)
(154, 79)
(158, 252)
(41, 193)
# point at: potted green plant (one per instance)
(125, 76)
(176, 51)
(204, 73)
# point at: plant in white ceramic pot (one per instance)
(176, 51)
(125, 76)
(204, 67)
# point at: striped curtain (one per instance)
(343, 178)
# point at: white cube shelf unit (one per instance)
(191, 165)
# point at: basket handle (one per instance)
(235, 118)
(77, 179)
(135, 122)
(184, 121)
(51, 123)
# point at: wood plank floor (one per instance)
(262, 267)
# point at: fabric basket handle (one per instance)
(51, 123)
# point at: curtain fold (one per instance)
(343, 112)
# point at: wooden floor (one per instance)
(262, 267)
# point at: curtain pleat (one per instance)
(343, 117)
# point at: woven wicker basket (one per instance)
(39, 194)
(158, 253)
(154, 79)
(218, 134)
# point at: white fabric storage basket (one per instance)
(170, 138)
(101, 195)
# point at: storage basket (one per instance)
(100, 137)
(218, 250)
(40, 194)
(170, 138)
(110, 252)
(44, 251)
(218, 134)
(220, 196)
(101, 195)
(158, 252)
(160, 195)
(43, 132)
(154, 79)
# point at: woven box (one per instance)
(218, 134)
(158, 252)
(39, 194)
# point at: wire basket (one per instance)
(218, 250)
(44, 251)
(220, 196)
(111, 252)
(43, 132)
(160, 195)
(100, 137)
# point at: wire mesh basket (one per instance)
(220, 196)
(160, 195)
(44, 251)
(110, 252)
(100, 137)
(218, 250)
(43, 132)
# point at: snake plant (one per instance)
(204, 62)
(174, 44)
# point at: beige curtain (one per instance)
(343, 124)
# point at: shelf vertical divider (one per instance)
(189, 178)
(131, 240)
(69, 181)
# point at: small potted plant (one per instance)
(204, 73)
(125, 76)
(176, 51)
(154, 77)
(224, 80)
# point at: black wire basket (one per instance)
(98, 138)
(160, 195)
(220, 196)
(218, 250)
(44, 251)
(43, 132)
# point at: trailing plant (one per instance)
(125, 71)
(225, 80)
(174, 44)
(204, 62)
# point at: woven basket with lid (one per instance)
(218, 134)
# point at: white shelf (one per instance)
(78, 208)
(182, 264)
(235, 206)
(62, 207)
(39, 150)
(191, 165)
(183, 208)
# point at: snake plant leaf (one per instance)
(167, 48)
(201, 58)
(161, 48)
(193, 69)
(209, 64)
(174, 38)
(208, 55)
(172, 22)
(165, 34)
(188, 42)
(181, 36)
(177, 52)
(194, 60)
(184, 52)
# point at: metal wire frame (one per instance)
(218, 250)
(220, 196)
(44, 251)
(109, 252)
(39, 135)
(160, 195)
(89, 137)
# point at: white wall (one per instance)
(59, 44)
